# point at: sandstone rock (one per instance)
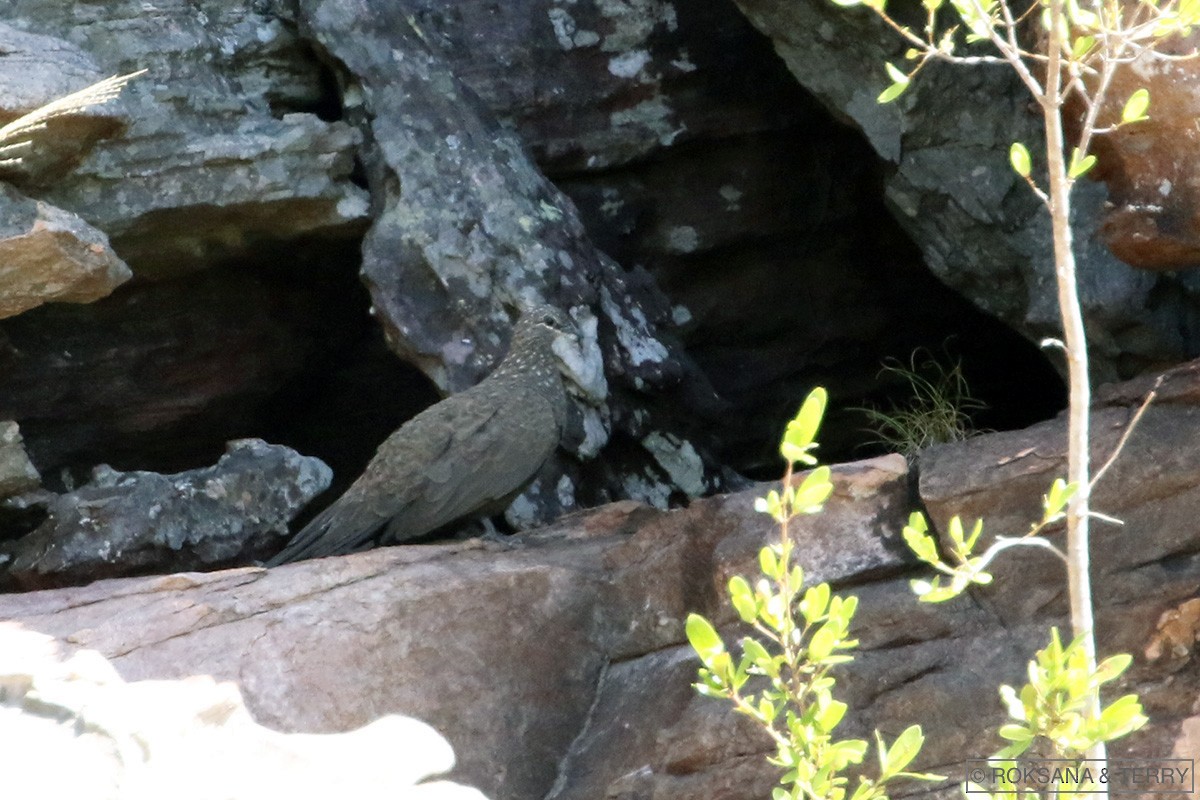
(136, 522)
(36, 70)
(592, 86)
(17, 474)
(979, 228)
(75, 729)
(51, 255)
(470, 230)
(688, 146)
(226, 149)
(1154, 192)
(755, 203)
(559, 668)
(1152, 487)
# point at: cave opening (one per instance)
(787, 270)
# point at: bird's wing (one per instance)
(446, 463)
(485, 450)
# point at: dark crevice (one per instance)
(358, 174)
(161, 374)
(322, 96)
(813, 284)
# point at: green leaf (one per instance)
(978, 26)
(932, 6)
(923, 776)
(801, 432)
(1015, 733)
(1082, 46)
(742, 597)
(847, 3)
(920, 542)
(1112, 667)
(831, 715)
(1013, 750)
(757, 653)
(1018, 156)
(1080, 166)
(905, 748)
(899, 84)
(917, 521)
(842, 609)
(814, 491)
(895, 73)
(1135, 106)
(816, 600)
(844, 753)
(822, 642)
(796, 579)
(771, 504)
(881, 752)
(974, 537)
(956, 533)
(742, 673)
(1060, 494)
(722, 666)
(1012, 703)
(768, 562)
(703, 637)
(1123, 716)
(936, 593)
(864, 791)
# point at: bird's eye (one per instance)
(551, 320)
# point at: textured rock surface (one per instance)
(595, 85)
(36, 69)
(1155, 219)
(692, 155)
(456, 635)
(225, 150)
(470, 230)
(979, 228)
(137, 522)
(160, 375)
(51, 255)
(689, 150)
(17, 473)
(1153, 487)
(73, 728)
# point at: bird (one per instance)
(466, 456)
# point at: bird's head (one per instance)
(545, 331)
(545, 324)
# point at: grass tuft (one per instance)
(938, 410)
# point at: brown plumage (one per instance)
(465, 456)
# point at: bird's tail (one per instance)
(344, 527)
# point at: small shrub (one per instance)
(802, 635)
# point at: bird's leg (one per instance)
(490, 535)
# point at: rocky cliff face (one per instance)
(979, 230)
(460, 635)
(704, 215)
(311, 218)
